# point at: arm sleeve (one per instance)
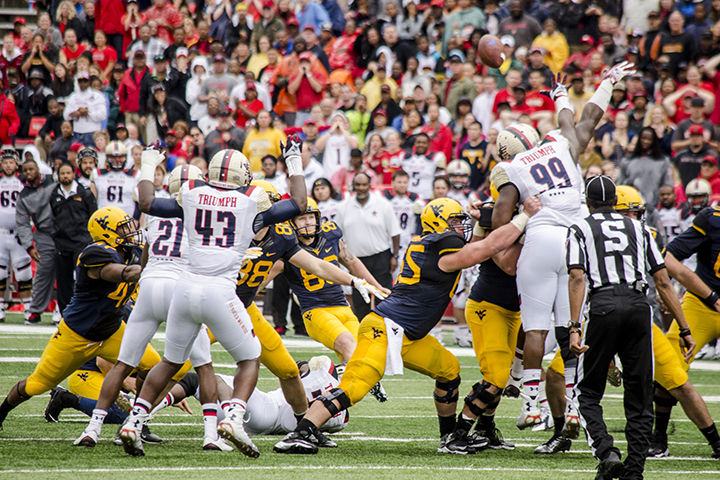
(688, 242)
(449, 244)
(96, 256)
(23, 229)
(653, 257)
(165, 208)
(575, 249)
(280, 212)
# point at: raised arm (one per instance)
(147, 203)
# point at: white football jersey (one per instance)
(10, 188)
(674, 221)
(549, 172)
(405, 207)
(421, 169)
(167, 241)
(115, 189)
(336, 154)
(328, 210)
(218, 224)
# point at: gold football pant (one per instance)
(494, 333)
(325, 325)
(367, 365)
(704, 324)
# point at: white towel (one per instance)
(394, 361)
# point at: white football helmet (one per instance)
(180, 175)
(116, 154)
(229, 168)
(458, 171)
(516, 139)
(698, 193)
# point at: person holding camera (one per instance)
(307, 86)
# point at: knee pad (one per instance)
(339, 395)
(23, 274)
(24, 286)
(189, 383)
(448, 387)
(663, 398)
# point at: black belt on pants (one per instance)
(622, 288)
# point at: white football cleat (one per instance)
(132, 441)
(217, 444)
(546, 423)
(232, 430)
(529, 416)
(463, 336)
(88, 439)
(572, 424)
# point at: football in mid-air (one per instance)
(490, 51)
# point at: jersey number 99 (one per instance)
(555, 171)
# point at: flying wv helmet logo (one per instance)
(103, 222)
(437, 210)
(377, 333)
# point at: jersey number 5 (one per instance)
(412, 276)
(555, 171)
(204, 227)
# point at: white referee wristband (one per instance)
(602, 95)
(520, 221)
(294, 165)
(563, 103)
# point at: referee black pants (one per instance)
(379, 266)
(619, 323)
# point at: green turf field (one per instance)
(397, 439)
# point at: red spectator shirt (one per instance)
(132, 32)
(255, 106)
(129, 90)
(167, 18)
(503, 96)
(390, 163)
(440, 139)
(103, 57)
(72, 55)
(342, 56)
(537, 102)
(306, 97)
(107, 13)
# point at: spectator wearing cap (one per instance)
(268, 25)
(87, 109)
(218, 84)
(175, 148)
(555, 46)
(535, 61)
(709, 171)
(167, 18)
(649, 45)
(578, 94)
(262, 140)
(678, 45)
(308, 86)
(462, 22)
(129, 89)
(178, 43)
(458, 85)
(312, 14)
(618, 100)
(520, 25)
(373, 87)
(173, 80)
(581, 58)
(163, 111)
(18, 24)
(638, 111)
(152, 46)
(226, 135)
(697, 117)
(31, 100)
(688, 160)
(72, 204)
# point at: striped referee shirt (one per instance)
(612, 249)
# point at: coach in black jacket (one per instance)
(71, 204)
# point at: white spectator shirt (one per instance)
(95, 103)
(367, 229)
(328, 210)
(336, 154)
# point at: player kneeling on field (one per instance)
(395, 333)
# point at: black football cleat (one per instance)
(556, 444)
(302, 442)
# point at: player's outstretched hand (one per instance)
(366, 290)
(184, 406)
(558, 88)
(152, 156)
(292, 146)
(687, 347)
(532, 205)
(619, 71)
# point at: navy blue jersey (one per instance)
(311, 290)
(96, 308)
(703, 238)
(423, 291)
(495, 286)
(279, 243)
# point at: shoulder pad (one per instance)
(261, 197)
(98, 254)
(498, 176)
(703, 220)
(129, 172)
(413, 196)
(388, 194)
(331, 231)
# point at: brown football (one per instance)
(490, 51)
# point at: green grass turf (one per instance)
(397, 439)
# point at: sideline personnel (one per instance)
(615, 252)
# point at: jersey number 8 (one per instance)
(311, 281)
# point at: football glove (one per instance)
(149, 160)
(365, 289)
(619, 71)
(292, 153)
(558, 89)
(250, 254)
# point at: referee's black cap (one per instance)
(600, 188)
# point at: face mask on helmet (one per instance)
(306, 225)
(129, 234)
(461, 223)
(698, 202)
(459, 182)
